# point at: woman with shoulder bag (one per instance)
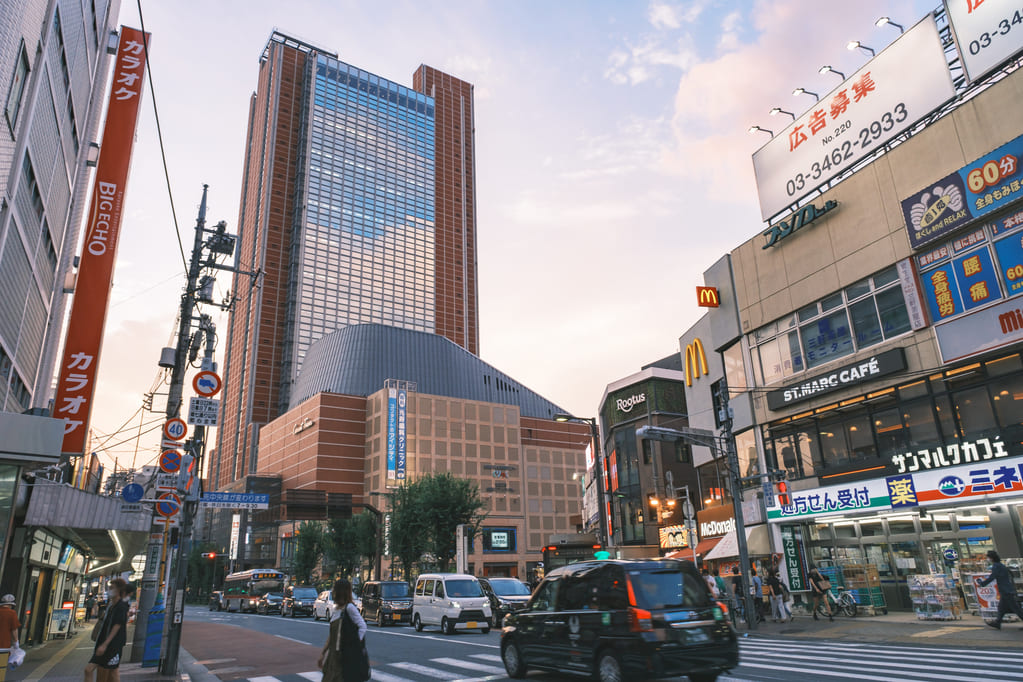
(819, 585)
(344, 657)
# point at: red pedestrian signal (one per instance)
(209, 555)
(781, 491)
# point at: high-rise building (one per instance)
(357, 206)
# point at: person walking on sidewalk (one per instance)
(757, 590)
(110, 636)
(779, 610)
(90, 604)
(1007, 600)
(819, 585)
(9, 624)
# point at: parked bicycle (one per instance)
(840, 601)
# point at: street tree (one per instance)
(308, 550)
(348, 542)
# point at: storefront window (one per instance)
(861, 438)
(891, 436)
(833, 448)
(8, 482)
(870, 528)
(735, 374)
(973, 410)
(746, 449)
(1013, 363)
(894, 317)
(826, 339)
(900, 525)
(1007, 395)
(922, 432)
(865, 323)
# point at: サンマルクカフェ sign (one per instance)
(868, 369)
(951, 455)
(800, 219)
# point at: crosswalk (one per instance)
(473, 668)
(761, 659)
(790, 659)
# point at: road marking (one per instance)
(423, 670)
(215, 661)
(440, 639)
(867, 659)
(380, 676)
(1003, 659)
(315, 677)
(827, 673)
(468, 665)
(292, 639)
(487, 657)
(265, 678)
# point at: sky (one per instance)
(613, 163)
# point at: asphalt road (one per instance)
(270, 648)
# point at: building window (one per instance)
(17, 91)
(862, 315)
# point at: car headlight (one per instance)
(456, 605)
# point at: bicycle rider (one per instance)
(817, 586)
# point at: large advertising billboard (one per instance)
(904, 83)
(987, 32)
(76, 383)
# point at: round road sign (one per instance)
(168, 504)
(132, 492)
(206, 384)
(170, 461)
(175, 429)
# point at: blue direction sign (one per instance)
(132, 492)
(170, 461)
(235, 501)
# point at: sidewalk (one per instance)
(63, 660)
(896, 628)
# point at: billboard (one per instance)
(907, 81)
(76, 383)
(987, 32)
(392, 434)
(399, 464)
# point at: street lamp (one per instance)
(827, 69)
(598, 460)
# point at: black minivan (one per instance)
(387, 601)
(621, 620)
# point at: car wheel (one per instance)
(704, 677)
(380, 618)
(417, 624)
(513, 663)
(446, 626)
(609, 668)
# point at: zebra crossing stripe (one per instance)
(875, 655)
(380, 676)
(313, 677)
(494, 658)
(866, 662)
(828, 673)
(468, 665)
(858, 646)
(422, 670)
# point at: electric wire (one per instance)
(159, 136)
(158, 425)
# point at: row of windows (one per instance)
(860, 316)
(982, 401)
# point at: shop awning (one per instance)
(758, 543)
(705, 546)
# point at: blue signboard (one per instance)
(235, 500)
(983, 186)
(132, 492)
(978, 282)
(1010, 262)
(392, 433)
(402, 411)
(941, 292)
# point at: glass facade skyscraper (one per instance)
(358, 206)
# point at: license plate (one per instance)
(396, 616)
(697, 636)
(471, 624)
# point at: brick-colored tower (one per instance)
(357, 205)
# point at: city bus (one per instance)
(243, 590)
(564, 549)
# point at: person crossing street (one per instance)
(1007, 599)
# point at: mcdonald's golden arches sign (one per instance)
(707, 297)
(696, 361)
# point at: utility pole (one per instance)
(735, 478)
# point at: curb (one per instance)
(193, 669)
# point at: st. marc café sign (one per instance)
(868, 369)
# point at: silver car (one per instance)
(323, 607)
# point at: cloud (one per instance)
(664, 15)
(637, 64)
(730, 31)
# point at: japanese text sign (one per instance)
(907, 81)
(988, 32)
(980, 187)
(392, 434)
(835, 499)
(76, 383)
(1010, 261)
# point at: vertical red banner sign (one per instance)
(77, 381)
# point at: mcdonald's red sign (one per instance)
(76, 384)
(707, 297)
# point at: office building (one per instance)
(357, 207)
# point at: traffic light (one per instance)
(209, 555)
(781, 493)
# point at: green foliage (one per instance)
(425, 514)
(308, 551)
(347, 542)
(202, 573)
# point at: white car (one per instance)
(323, 607)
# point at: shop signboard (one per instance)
(987, 32)
(716, 522)
(399, 464)
(982, 330)
(983, 186)
(673, 537)
(965, 283)
(905, 82)
(868, 369)
(392, 434)
(858, 496)
(794, 557)
(911, 293)
(979, 450)
(1010, 261)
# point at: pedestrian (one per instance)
(779, 609)
(1007, 600)
(737, 592)
(757, 591)
(344, 657)
(110, 635)
(720, 582)
(819, 585)
(90, 604)
(711, 585)
(9, 624)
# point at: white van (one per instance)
(452, 601)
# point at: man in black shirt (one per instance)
(110, 635)
(1006, 590)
